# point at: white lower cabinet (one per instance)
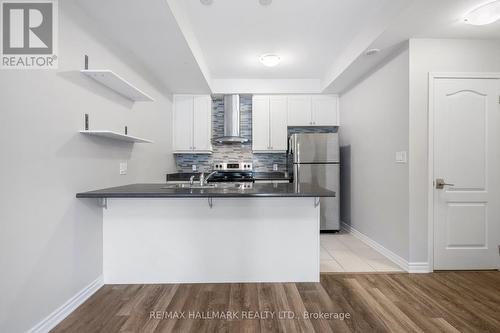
(269, 124)
(192, 124)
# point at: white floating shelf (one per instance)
(116, 136)
(120, 85)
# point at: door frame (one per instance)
(430, 148)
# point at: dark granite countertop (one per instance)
(220, 191)
(184, 176)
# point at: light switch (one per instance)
(275, 167)
(193, 167)
(123, 168)
(401, 157)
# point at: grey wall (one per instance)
(374, 126)
(51, 242)
(435, 55)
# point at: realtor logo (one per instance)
(29, 38)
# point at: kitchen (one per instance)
(303, 160)
(302, 200)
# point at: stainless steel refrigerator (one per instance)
(315, 159)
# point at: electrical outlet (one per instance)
(194, 167)
(123, 168)
(275, 167)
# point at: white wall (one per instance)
(51, 242)
(435, 55)
(374, 126)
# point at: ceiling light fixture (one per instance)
(270, 60)
(207, 2)
(265, 2)
(371, 52)
(485, 14)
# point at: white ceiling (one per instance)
(192, 48)
(150, 36)
(421, 19)
(307, 35)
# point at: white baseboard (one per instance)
(418, 267)
(64, 310)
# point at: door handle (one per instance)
(440, 184)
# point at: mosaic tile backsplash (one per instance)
(238, 152)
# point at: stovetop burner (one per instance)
(232, 172)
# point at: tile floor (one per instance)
(343, 252)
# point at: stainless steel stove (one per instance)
(232, 172)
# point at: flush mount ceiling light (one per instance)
(265, 2)
(207, 2)
(270, 60)
(485, 14)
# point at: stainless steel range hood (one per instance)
(231, 121)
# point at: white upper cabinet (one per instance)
(299, 111)
(183, 123)
(192, 124)
(278, 120)
(269, 124)
(260, 123)
(316, 110)
(325, 110)
(202, 123)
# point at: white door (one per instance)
(299, 111)
(278, 123)
(183, 123)
(466, 156)
(324, 110)
(260, 123)
(202, 118)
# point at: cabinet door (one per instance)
(183, 123)
(299, 111)
(278, 123)
(260, 123)
(202, 123)
(325, 110)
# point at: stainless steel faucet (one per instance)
(204, 180)
(191, 180)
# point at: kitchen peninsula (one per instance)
(181, 233)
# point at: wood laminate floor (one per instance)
(380, 302)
